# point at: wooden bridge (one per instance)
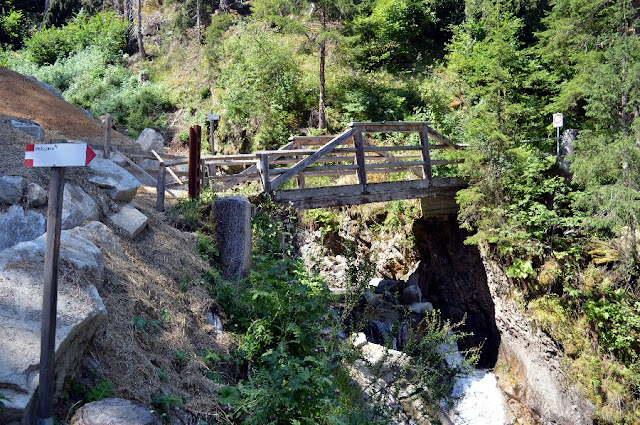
(319, 171)
(304, 172)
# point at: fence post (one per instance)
(298, 145)
(162, 175)
(203, 177)
(107, 136)
(195, 133)
(263, 168)
(360, 161)
(426, 157)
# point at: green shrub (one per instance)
(104, 30)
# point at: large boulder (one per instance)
(20, 226)
(79, 313)
(120, 185)
(150, 139)
(11, 189)
(77, 207)
(232, 217)
(129, 220)
(113, 411)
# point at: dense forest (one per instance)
(487, 73)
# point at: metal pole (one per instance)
(193, 164)
(160, 187)
(50, 298)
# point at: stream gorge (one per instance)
(401, 277)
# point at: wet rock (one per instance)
(421, 308)
(113, 411)
(20, 226)
(385, 286)
(370, 299)
(378, 332)
(36, 195)
(411, 295)
(11, 189)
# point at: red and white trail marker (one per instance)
(58, 155)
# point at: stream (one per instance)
(480, 400)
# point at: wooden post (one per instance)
(360, 161)
(212, 173)
(194, 161)
(107, 136)
(50, 298)
(162, 177)
(212, 140)
(199, 153)
(296, 145)
(263, 168)
(426, 157)
(203, 177)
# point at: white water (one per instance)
(480, 401)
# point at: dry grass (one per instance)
(155, 276)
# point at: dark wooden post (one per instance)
(426, 157)
(263, 168)
(203, 176)
(194, 161)
(50, 298)
(162, 177)
(360, 161)
(107, 136)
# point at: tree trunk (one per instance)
(224, 6)
(198, 19)
(322, 116)
(143, 54)
(47, 3)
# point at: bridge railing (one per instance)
(350, 153)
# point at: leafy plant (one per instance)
(2, 397)
(99, 391)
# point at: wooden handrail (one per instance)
(278, 181)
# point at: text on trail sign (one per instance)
(558, 121)
(58, 155)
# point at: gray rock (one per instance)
(115, 157)
(79, 313)
(370, 298)
(77, 207)
(18, 226)
(36, 195)
(150, 139)
(129, 219)
(30, 127)
(214, 320)
(232, 217)
(387, 286)
(113, 411)
(11, 189)
(411, 295)
(421, 308)
(48, 87)
(120, 185)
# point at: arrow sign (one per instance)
(58, 155)
(213, 117)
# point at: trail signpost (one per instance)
(213, 123)
(57, 156)
(558, 121)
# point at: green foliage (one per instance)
(206, 248)
(11, 29)
(165, 402)
(99, 391)
(263, 98)
(103, 29)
